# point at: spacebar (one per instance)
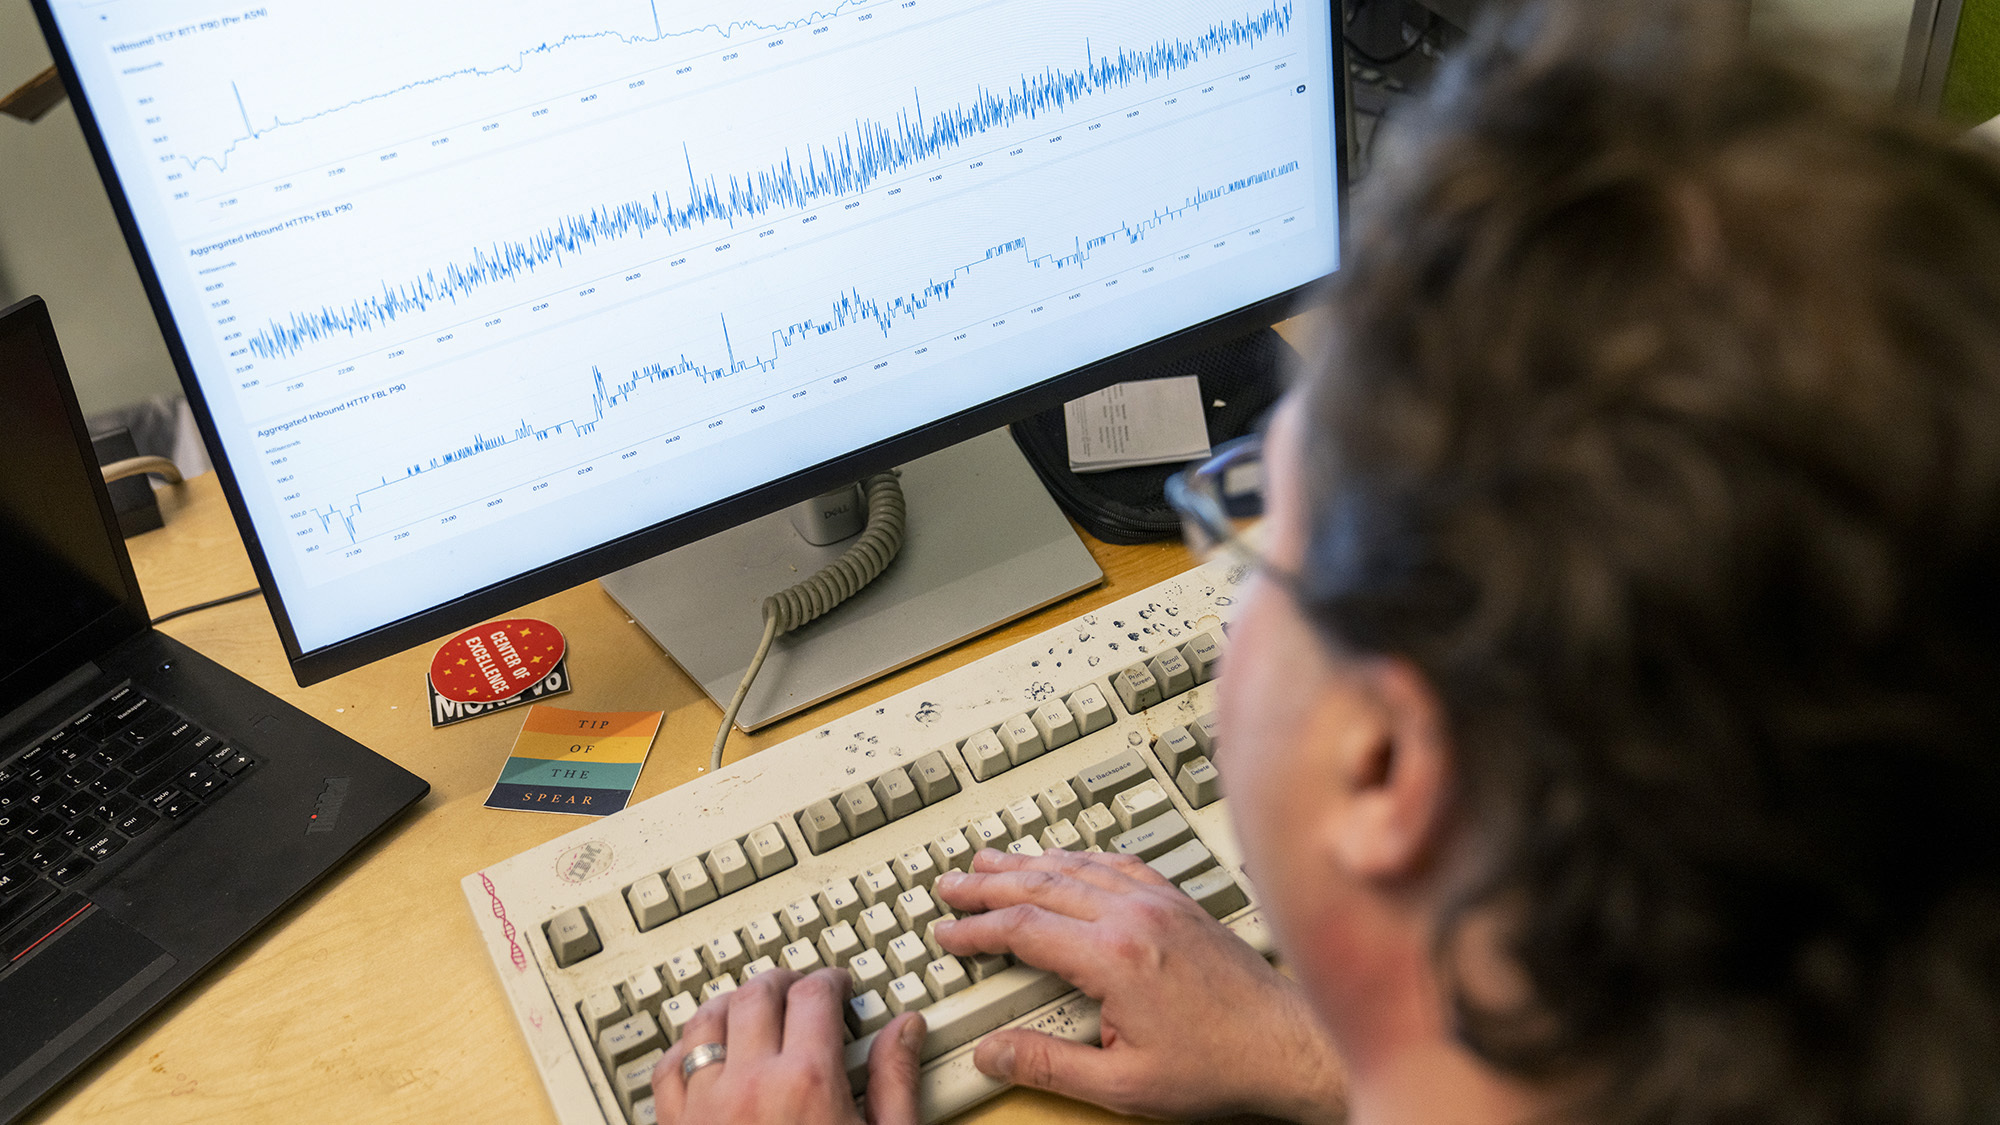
(960, 1018)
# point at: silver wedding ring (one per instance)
(700, 1057)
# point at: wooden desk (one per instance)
(371, 1000)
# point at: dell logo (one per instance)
(326, 810)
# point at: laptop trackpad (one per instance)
(69, 986)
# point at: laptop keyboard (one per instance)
(102, 786)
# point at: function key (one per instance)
(860, 811)
(1055, 723)
(729, 867)
(985, 756)
(896, 793)
(768, 852)
(933, 777)
(821, 825)
(1091, 711)
(1022, 738)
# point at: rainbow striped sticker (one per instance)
(581, 762)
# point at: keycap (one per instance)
(945, 976)
(1138, 803)
(952, 851)
(960, 1018)
(896, 793)
(867, 1012)
(1096, 826)
(801, 957)
(802, 920)
(1206, 728)
(915, 908)
(1110, 777)
(907, 994)
(1216, 891)
(236, 763)
(768, 851)
(1055, 724)
(1173, 747)
(877, 925)
(1137, 687)
(869, 970)
(915, 868)
(839, 902)
(208, 786)
(987, 832)
(675, 1014)
(1155, 837)
(1026, 845)
(821, 825)
(1062, 834)
(100, 846)
(571, 936)
(1199, 782)
(50, 853)
(634, 1080)
(1183, 861)
(722, 955)
(1171, 670)
(933, 777)
(1023, 817)
(644, 991)
(644, 1112)
(1022, 739)
(878, 884)
(839, 944)
(758, 968)
(1088, 705)
(70, 870)
(690, 885)
(1058, 802)
(720, 986)
(1204, 656)
(985, 756)
(134, 822)
(860, 812)
(729, 868)
(984, 965)
(684, 971)
(601, 1009)
(906, 954)
(628, 1039)
(650, 902)
(930, 934)
(762, 936)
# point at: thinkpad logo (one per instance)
(326, 810)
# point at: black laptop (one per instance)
(155, 808)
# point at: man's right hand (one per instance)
(1195, 1023)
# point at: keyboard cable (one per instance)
(863, 561)
(197, 608)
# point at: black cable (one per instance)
(185, 610)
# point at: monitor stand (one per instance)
(985, 544)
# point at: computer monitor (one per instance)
(1951, 65)
(477, 301)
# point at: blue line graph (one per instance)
(253, 132)
(848, 310)
(845, 167)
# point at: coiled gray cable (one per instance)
(788, 609)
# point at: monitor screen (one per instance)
(477, 300)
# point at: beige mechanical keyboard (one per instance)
(823, 850)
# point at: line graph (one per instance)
(846, 310)
(873, 150)
(523, 58)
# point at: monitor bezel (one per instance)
(502, 597)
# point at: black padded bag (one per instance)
(1240, 382)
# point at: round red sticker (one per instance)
(496, 661)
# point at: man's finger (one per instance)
(892, 1071)
(1052, 890)
(757, 1014)
(812, 1010)
(1029, 1058)
(1098, 869)
(1044, 939)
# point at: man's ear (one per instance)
(1393, 766)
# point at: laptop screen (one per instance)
(68, 592)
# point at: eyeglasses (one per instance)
(1219, 498)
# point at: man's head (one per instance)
(1658, 455)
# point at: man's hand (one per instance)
(784, 1067)
(1195, 1023)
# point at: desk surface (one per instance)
(371, 999)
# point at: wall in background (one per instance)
(1879, 30)
(59, 238)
